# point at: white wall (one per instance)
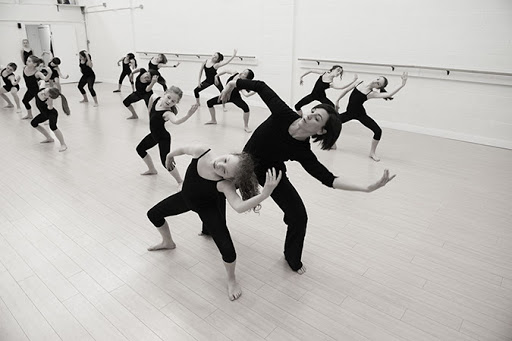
(466, 34)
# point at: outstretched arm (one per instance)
(201, 73)
(320, 72)
(60, 73)
(389, 94)
(165, 65)
(339, 183)
(169, 116)
(119, 61)
(350, 87)
(345, 86)
(193, 150)
(240, 205)
(225, 62)
(216, 79)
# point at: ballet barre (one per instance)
(251, 60)
(110, 9)
(393, 66)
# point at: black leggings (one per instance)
(212, 216)
(162, 140)
(310, 98)
(124, 74)
(135, 97)
(89, 80)
(366, 120)
(236, 100)
(205, 85)
(50, 115)
(29, 95)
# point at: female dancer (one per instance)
(26, 51)
(88, 77)
(210, 67)
(324, 82)
(44, 102)
(31, 75)
(210, 180)
(157, 63)
(235, 97)
(143, 89)
(355, 108)
(11, 85)
(285, 136)
(161, 110)
(129, 64)
(56, 73)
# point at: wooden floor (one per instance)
(428, 257)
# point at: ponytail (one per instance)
(383, 89)
(65, 106)
(55, 93)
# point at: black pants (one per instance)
(137, 96)
(211, 216)
(236, 100)
(366, 120)
(162, 140)
(124, 74)
(50, 115)
(204, 85)
(310, 98)
(29, 95)
(89, 80)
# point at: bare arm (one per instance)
(119, 61)
(345, 86)
(240, 205)
(247, 93)
(320, 72)
(154, 79)
(339, 183)
(169, 116)
(40, 75)
(89, 61)
(216, 79)
(225, 62)
(60, 73)
(201, 72)
(49, 103)
(165, 65)
(389, 94)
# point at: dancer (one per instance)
(44, 102)
(56, 73)
(324, 82)
(210, 180)
(32, 75)
(161, 110)
(88, 77)
(26, 51)
(129, 64)
(210, 67)
(143, 89)
(11, 85)
(158, 62)
(235, 97)
(355, 109)
(286, 136)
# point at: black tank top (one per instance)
(197, 191)
(126, 67)
(31, 82)
(43, 106)
(320, 87)
(152, 66)
(6, 79)
(210, 73)
(156, 121)
(139, 86)
(55, 74)
(235, 91)
(26, 55)
(356, 100)
(86, 69)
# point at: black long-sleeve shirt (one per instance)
(271, 144)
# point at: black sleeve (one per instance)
(310, 163)
(271, 99)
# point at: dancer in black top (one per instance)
(26, 51)
(210, 180)
(56, 73)
(129, 64)
(32, 75)
(286, 136)
(143, 89)
(10, 85)
(158, 62)
(324, 82)
(210, 67)
(161, 110)
(44, 102)
(88, 77)
(235, 97)
(355, 109)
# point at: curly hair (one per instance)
(245, 179)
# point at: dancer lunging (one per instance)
(129, 64)
(143, 89)
(158, 62)
(88, 77)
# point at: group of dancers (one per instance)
(212, 177)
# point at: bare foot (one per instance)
(9, 106)
(234, 290)
(28, 117)
(247, 130)
(374, 157)
(47, 141)
(301, 270)
(95, 104)
(18, 110)
(84, 101)
(133, 117)
(162, 246)
(334, 147)
(211, 122)
(63, 148)
(149, 172)
(224, 109)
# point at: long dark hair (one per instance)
(55, 93)
(84, 54)
(332, 127)
(245, 179)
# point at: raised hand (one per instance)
(272, 180)
(404, 78)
